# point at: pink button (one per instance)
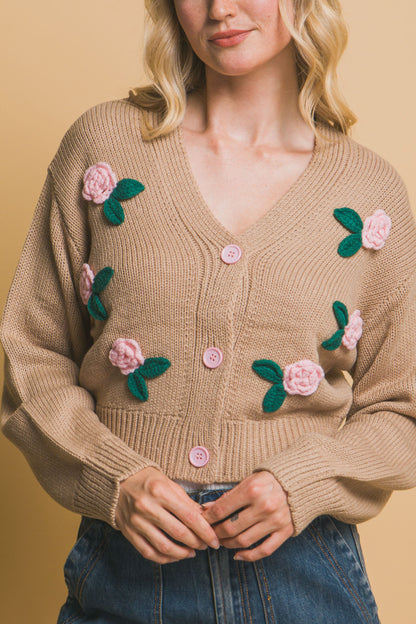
(212, 357)
(199, 456)
(231, 254)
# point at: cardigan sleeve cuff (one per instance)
(299, 470)
(98, 488)
(316, 484)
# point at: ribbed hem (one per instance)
(234, 451)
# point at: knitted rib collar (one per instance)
(179, 186)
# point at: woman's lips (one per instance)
(228, 41)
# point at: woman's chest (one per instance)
(239, 187)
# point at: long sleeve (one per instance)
(45, 334)
(351, 475)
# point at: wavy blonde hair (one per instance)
(320, 36)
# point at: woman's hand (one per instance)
(254, 508)
(147, 505)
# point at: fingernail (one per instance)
(191, 554)
(237, 558)
(215, 543)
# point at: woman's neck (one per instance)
(258, 108)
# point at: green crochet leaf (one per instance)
(137, 385)
(113, 210)
(349, 219)
(341, 313)
(127, 188)
(335, 341)
(153, 367)
(101, 279)
(96, 308)
(274, 397)
(268, 370)
(350, 245)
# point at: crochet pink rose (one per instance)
(99, 182)
(126, 354)
(85, 283)
(302, 377)
(353, 330)
(376, 230)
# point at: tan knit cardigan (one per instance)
(323, 285)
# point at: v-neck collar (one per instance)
(176, 173)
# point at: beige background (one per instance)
(62, 58)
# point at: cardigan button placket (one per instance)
(231, 254)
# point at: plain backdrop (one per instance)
(60, 58)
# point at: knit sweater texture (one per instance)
(166, 346)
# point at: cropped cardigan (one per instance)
(139, 331)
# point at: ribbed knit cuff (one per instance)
(98, 488)
(304, 473)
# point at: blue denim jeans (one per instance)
(317, 577)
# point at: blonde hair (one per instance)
(320, 36)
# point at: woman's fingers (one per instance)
(149, 551)
(154, 513)
(256, 508)
(230, 502)
(139, 527)
(266, 511)
(267, 547)
(253, 534)
(246, 538)
(161, 542)
(190, 514)
(235, 524)
(176, 529)
(251, 519)
(159, 510)
(173, 498)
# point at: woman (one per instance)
(214, 252)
